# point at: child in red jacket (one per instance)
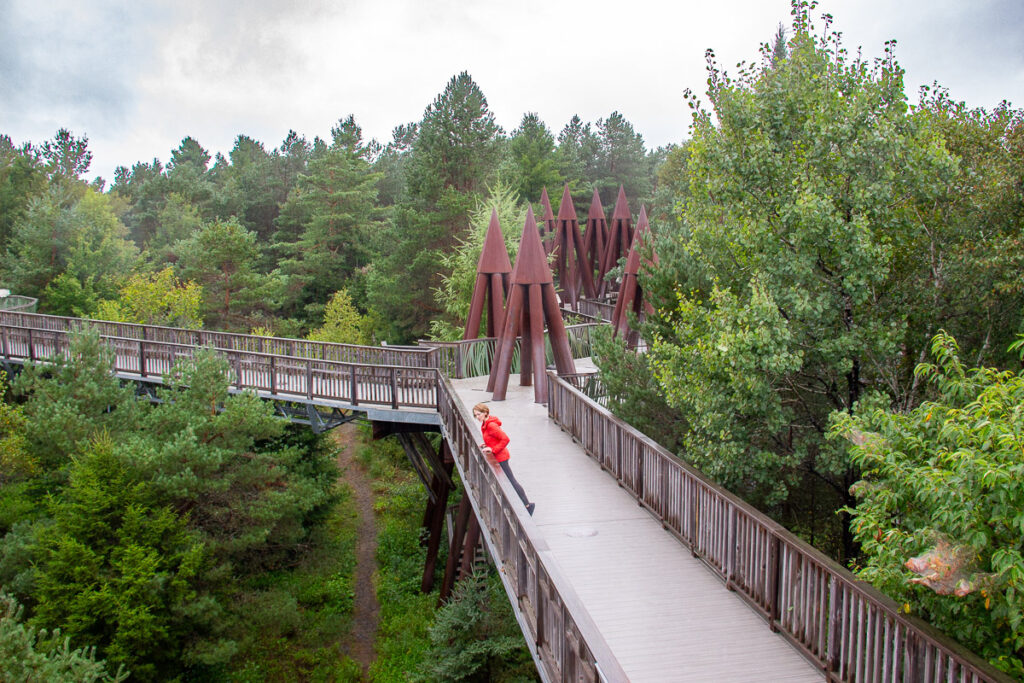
(496, 443)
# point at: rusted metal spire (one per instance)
(596, 234)
(492, 276)
(620, 237)
(548, 227)
(570, 258)
(531, 304)
(631, 296)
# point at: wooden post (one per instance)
(469, 546)
(394, 388)
(774, 581)
(465, 510)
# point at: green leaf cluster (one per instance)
(137, 525)
(29, 654)
(948, 474)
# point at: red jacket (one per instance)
(495, 438)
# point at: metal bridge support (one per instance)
(433, 519)
(434, 468)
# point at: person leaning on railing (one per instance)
(496, 444)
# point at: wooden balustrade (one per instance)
(279, 376)
(598, 310)
(424, 357)
(847, 628)
(16, 302)
(472, 357)
(554, 620)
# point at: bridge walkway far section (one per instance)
(391, 384)
(662, 613)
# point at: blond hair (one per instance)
(481, 408)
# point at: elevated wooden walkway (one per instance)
(663, 614)
(634, 567)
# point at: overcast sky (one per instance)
(137, 77)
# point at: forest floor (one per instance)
(366, 610)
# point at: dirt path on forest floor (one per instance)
(366, 609)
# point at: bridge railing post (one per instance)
(309, 379)
(394, 387)
(774, 580)
(31, 349)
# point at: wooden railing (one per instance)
(299, 348)
(570, 646)
(16, 302)
(599, 310)
(283, 377)
(472, 357)
(844, 626)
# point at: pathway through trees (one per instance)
(365, 612)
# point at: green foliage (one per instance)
(178, 220)
(16, 461)
(405, 613)
(945, 477)
(70, 401)
(155, 299)
(116, 571)
(621, 160)
(633, 392)
(66, 156)
(66, 295)
(452, 158)
(156, 512)
(475, 636)
(342, 322)
(21, 179)
(964, 269)
(289, 621)
(29, 654)
(221, 258)
(531, 148)
(576, 156)
(331, 213)
(787, 263)
(70, 230)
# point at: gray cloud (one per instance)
(76, 62)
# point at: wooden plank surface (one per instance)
(664, 615)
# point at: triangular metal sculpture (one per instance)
(596, 234)
(570, 254)
(547, 228)
(492, 282)
(620, 236)
(531, 304)
(631, 296)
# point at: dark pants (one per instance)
(515, 484)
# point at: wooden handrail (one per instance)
(472, 357)
(552, 616)
(279, 376)
(302, 348)
(844, 626)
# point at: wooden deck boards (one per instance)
(663, 613)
